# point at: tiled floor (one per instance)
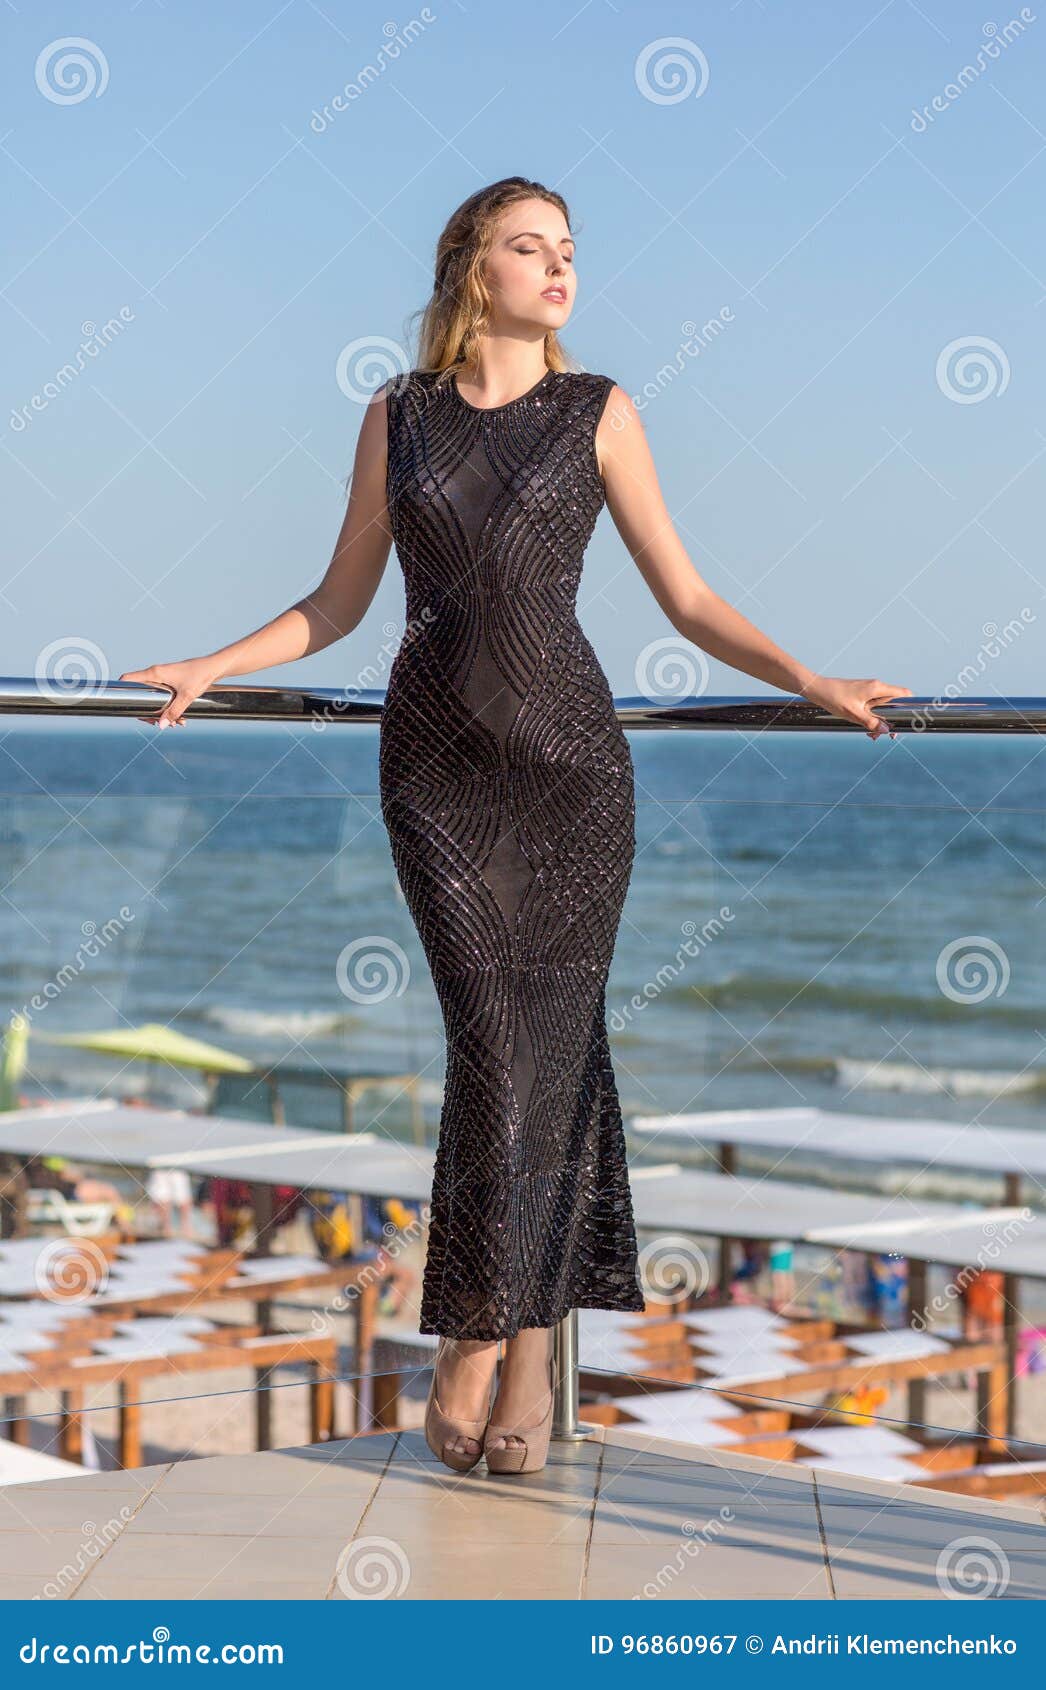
(623, 1514)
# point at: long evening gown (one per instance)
(507, 790)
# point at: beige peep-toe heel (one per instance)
(440, 1428)
(533, 1453)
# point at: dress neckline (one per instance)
(486, 410)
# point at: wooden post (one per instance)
(917, 1299)
(417, 1119)
(262, 1378)
(262, 1199)
(992, 1394)
(366, 1312)
(18, 1426)
(726, 1159)
(321, 1401)
(1011, 1323)
(355, 1210)
(1011, 1329)
(385, 1401)
(71, 1430)
(130, 1422)
(14, 1198)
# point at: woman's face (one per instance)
(530, 268)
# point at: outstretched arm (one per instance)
(636, 504)
(327, 614)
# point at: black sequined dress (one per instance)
(507, 790)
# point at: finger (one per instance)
(177, 707)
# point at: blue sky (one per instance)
(826, 467)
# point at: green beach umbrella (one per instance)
(155, 1043)
(12, 1062)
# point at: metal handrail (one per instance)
(29, 696)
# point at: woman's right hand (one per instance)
(855, 701)
(187, 680)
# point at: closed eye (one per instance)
(528, 252)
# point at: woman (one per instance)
(507, 786)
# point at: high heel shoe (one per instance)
(440, 1428)
(533, 1452)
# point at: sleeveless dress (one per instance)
(507, 790)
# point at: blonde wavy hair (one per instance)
(459, 309)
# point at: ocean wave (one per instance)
(859, 1073)
(297, 1024)
(776, 991)
(955, 1082)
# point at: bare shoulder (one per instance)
(618, 406)
(374, 427)
(390, 390)
(384, 397)
(619, 432)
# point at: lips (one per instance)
(557, 294)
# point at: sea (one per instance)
(813, 919)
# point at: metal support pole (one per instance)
(566, 1424)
